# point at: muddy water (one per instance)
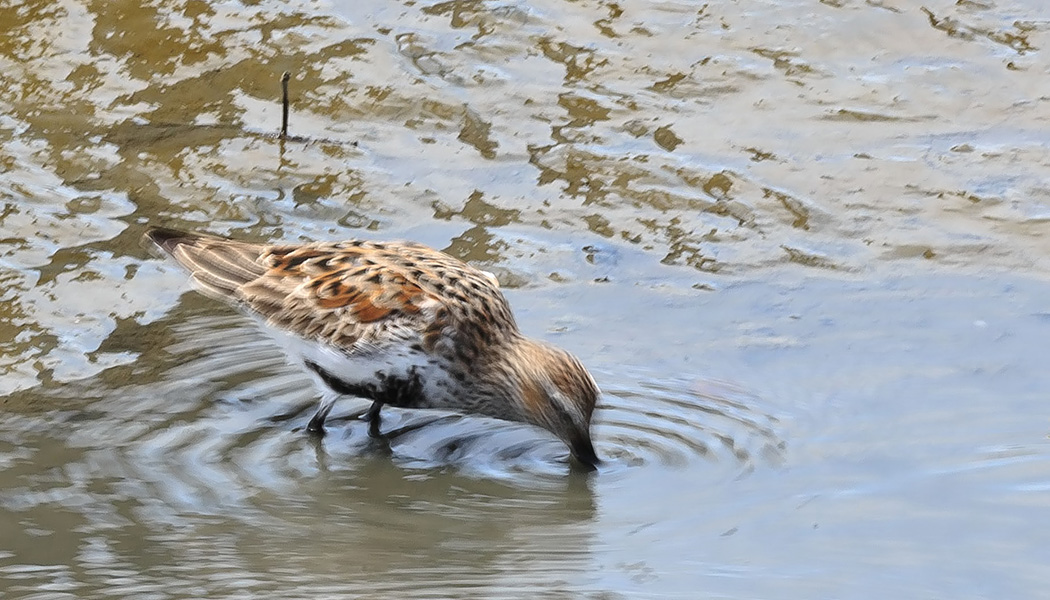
(800, 244)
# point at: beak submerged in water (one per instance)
(583, 452)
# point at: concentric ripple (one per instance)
(230, 406)
(248, 406)
(674, 421)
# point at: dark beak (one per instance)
(583, 451)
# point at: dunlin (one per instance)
(396, 323)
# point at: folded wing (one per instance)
(348, 294)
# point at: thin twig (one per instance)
(284, 104)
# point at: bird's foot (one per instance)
(316, 426)
(374, 420)
(373, 426)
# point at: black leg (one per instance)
(316, 424)
(374, 419)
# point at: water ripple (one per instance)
(674, 421)
(247, 409)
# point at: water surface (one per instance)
(800, 244)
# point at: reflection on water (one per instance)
(186, 467)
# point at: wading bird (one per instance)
(396, 323)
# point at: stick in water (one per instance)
(284, 104)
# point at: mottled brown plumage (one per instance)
(397, 323)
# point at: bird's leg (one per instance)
(373, 418)
(316, 424)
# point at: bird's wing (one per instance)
(351, 295)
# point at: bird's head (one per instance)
(558, 394)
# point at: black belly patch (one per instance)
(403, 392)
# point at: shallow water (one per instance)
(800, 245)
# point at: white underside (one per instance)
(362, 365)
